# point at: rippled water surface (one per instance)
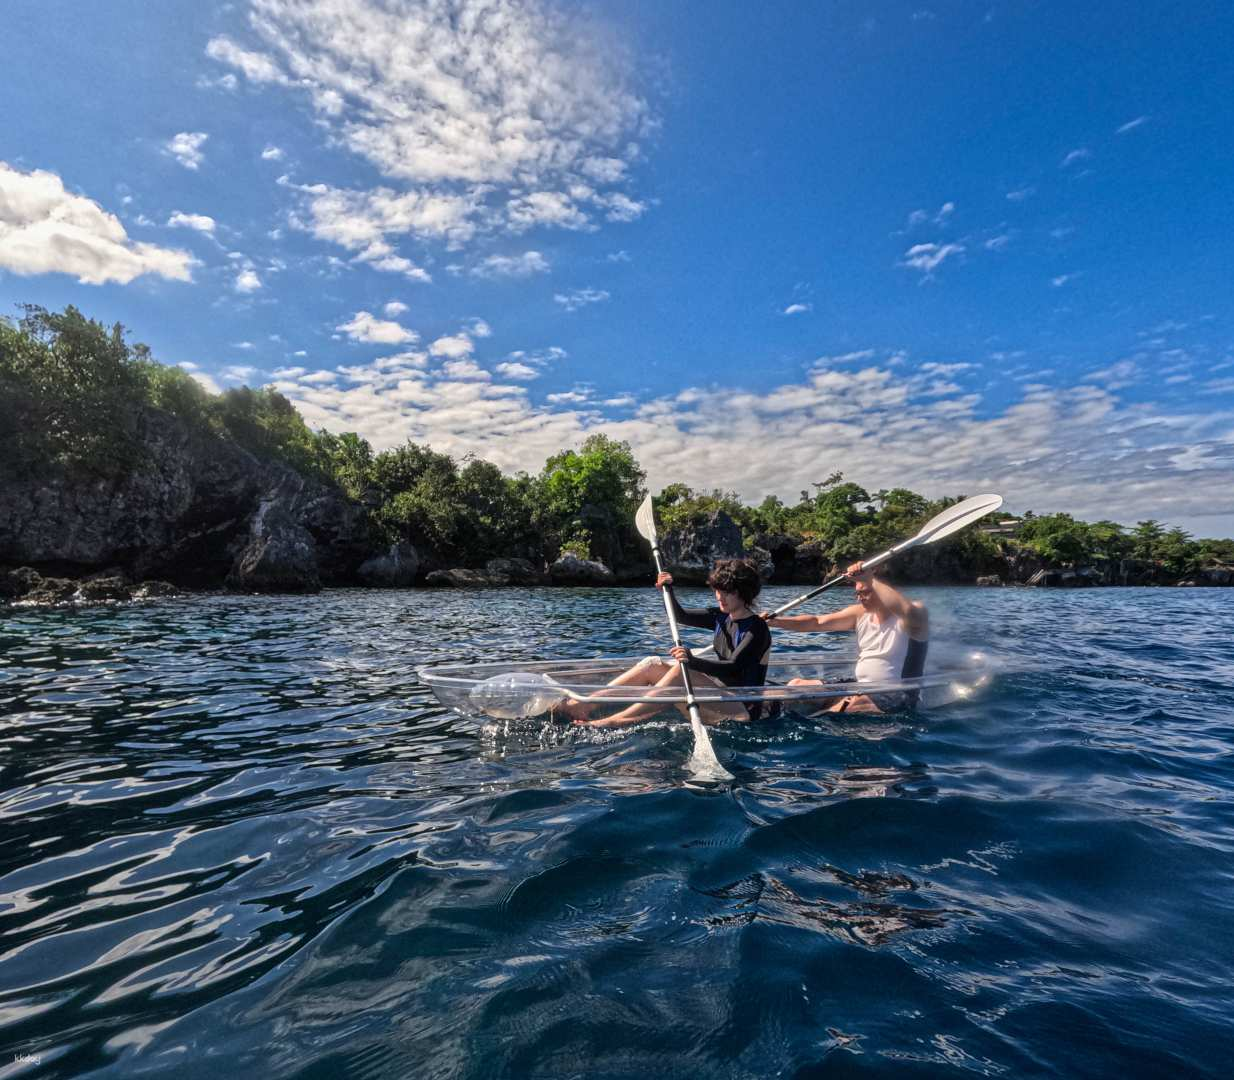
(238, 838)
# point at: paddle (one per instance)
(703, 762)
(951, 520)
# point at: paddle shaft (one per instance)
(667, 594)
(869, 564)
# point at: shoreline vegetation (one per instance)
(117, 470)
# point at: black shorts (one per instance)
(896, 700)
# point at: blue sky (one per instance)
(954, 247)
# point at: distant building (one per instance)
(1007, 527)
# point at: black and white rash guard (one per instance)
(742, 646)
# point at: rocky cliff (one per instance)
(195, 510)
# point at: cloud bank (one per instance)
(45, 229)
(481, 115)
(1080, 448)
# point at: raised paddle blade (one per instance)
(645, 521)
(950, 520)
(954, 518)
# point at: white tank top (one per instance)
(881, 648)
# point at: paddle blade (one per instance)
(645, 521)
(954, 518)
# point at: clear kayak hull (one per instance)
(513, 689)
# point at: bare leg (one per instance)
(645, 673)
(713, 713)
(855, 703)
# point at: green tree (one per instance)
(1057, 538)
(601, 477)
(1145, 539)
(73, 386)
(174, 390)
(347, 459)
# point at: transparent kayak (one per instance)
(517, 689)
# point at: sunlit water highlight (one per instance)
(237, 838)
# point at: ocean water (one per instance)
(238, 838)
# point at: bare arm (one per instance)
(844, 619)
(911, 612)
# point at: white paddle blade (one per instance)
(645, 521)
(954, 518)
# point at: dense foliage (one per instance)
(73, 393)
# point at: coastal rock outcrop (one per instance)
(571, 570)
(690, 552)
(516, 572)
(394, 569)
(26, 586)
(497, 573)
(460, 578)
(195, 510)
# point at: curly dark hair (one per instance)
(737, 576)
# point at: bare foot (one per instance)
(572, 712)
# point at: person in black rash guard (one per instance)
(742, 645)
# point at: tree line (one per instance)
(72, 392)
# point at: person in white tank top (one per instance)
(892, 635)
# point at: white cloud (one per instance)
(922, 217)
(618, 257)
(798, 309)
(380, 256)
(621, 207)
(464, 369)
(238, 373)
(997, 243)
(45, 229)
(1117, 376)
(203, 380)
(928, 257)
(512, 369)
(243, 345)
(397, 361)
(479, 328)
(1020, 194)
(517, 108)
(185, 147)
(572, 301)
(545, 208)
(247, 281)
(356, 220)
(1082, 154)
(272, 153)
(455, 346)
(523, 365)
(288, 372)
(512, 266)
(603, 170)
(1062, 279)
(364, 326)
(257, 67)
(1131, 125)
(316, 378)
(395, 308)
(201, 222)
(569, 397)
